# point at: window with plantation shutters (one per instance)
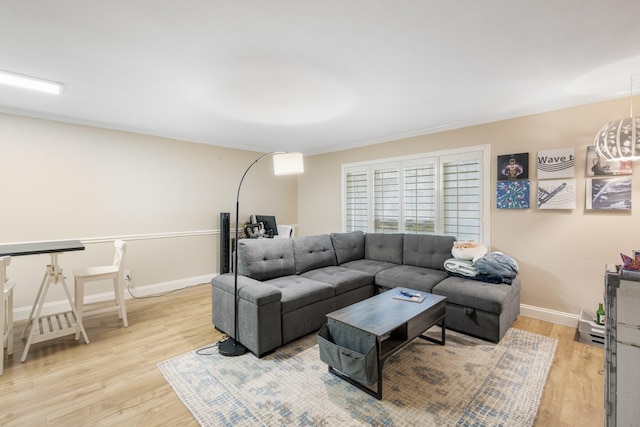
(357, 201)
(386, 200)
(462, 204)
(435, 193)
(419, 199)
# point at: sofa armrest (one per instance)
(251, 290)
(259, 322)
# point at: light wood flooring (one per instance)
(114, 380)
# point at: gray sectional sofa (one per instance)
(287, 286)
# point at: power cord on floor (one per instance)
(200, 351)
(156, 295)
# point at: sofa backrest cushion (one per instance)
(264, 259)
(348, 246)
(383, 247)
(311, 252)
(429, 251)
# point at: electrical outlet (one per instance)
(127, 275)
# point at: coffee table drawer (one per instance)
(417, 325)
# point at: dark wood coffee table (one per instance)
(394, 323)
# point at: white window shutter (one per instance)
(420, 199)
(386, 200)
(462, 202)
(357, 201)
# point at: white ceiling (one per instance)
(313, 76)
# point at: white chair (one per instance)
(114, 272)
(6, 311)
(284, 232)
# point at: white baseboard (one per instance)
(22, 313)
(557, 317)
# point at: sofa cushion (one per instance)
(342, 279)
(264, 259)
(383, 247)
(368, 266)
(298, 291)
(489, 297)
(408, 276)
(425, 250)
(311, 252)
(348, 246)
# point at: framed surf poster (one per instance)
(609, 193)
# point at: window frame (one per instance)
(437, 159)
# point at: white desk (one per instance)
(43, 328)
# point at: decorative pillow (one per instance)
(468, 250)
(426, 250)
(348, 246)
(264, 259)
(311, 252)
(384, 247)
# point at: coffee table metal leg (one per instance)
(377, 395)
(443, 338)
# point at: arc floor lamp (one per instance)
(283, 164)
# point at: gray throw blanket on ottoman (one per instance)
(494, 267)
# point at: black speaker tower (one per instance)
(225, 242)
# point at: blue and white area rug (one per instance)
(468, 382)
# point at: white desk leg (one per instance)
(35, 306)
(34, 320)
(58, 277)
(9, 323)
(54, 275)
(79, 325)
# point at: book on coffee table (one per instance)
(407, 295)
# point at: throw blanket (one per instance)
(497, 263)
(495, 267)
(460, 266)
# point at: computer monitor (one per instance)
(269, 222)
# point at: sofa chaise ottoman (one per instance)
(416, 261)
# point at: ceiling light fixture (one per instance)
(619, 140)
(28, 82)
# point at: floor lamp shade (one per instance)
(283, 164)
(288, 164)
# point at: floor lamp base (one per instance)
(231, 347)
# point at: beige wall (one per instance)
(562, 254)
(65, 181)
